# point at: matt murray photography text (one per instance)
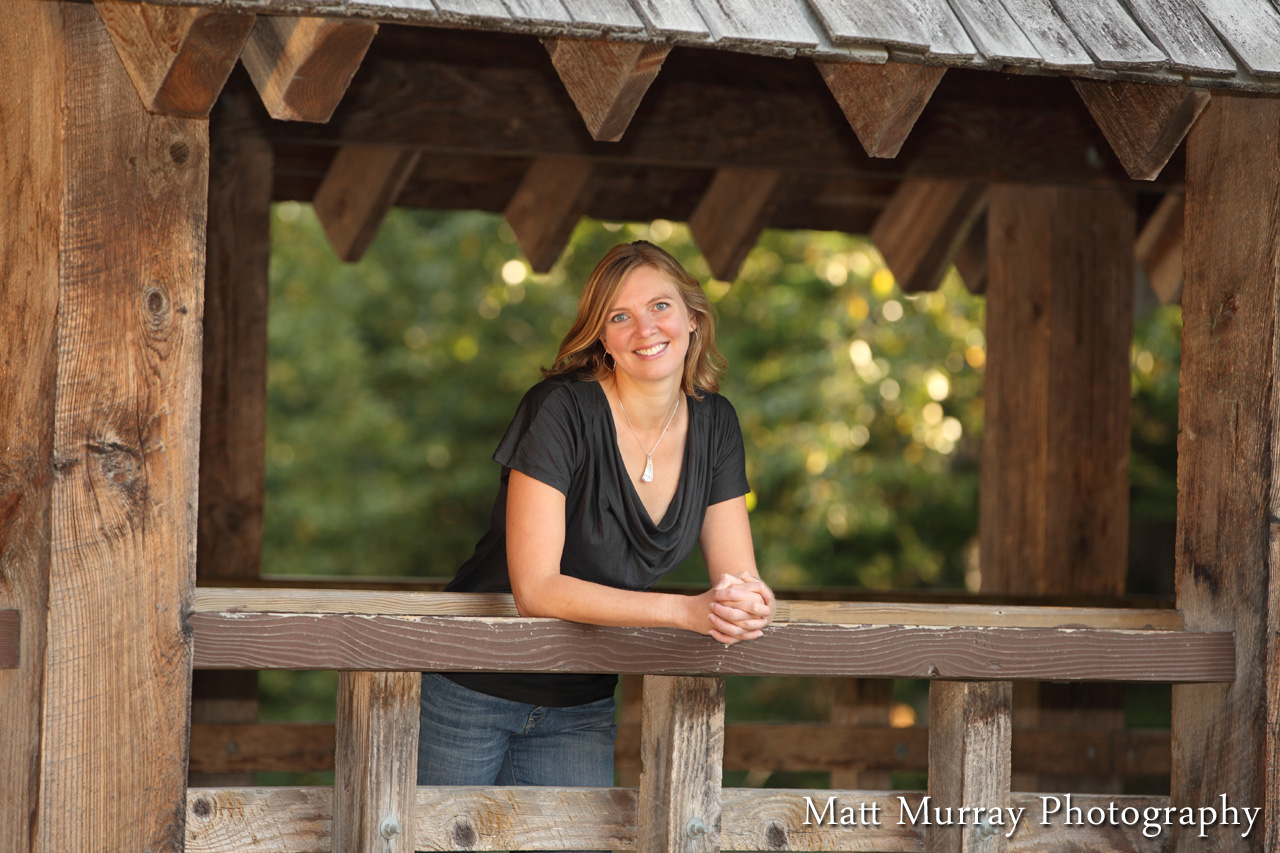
(1055, 809)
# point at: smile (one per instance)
(653, 350)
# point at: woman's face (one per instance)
(647, 328)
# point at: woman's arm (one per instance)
(535, 543)
(744, 605)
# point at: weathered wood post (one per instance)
(1226, 737)
(105, 266)
(970, 737)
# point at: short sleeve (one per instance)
(544, 440)
(729, 459)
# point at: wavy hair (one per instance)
(581, 350)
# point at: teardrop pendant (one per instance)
(647, 476)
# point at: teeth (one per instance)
(653, 350)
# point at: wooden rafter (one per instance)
(303, 66)
(923, 226)
(730, 216)
(1159, 248)
(1144, 123)
(359, 189)
(881, 102)
(551, 198)
(606, 79)
(178, 57)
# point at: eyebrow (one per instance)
(668, 298)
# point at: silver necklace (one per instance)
(647, 476)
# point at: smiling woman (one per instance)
(615, 466)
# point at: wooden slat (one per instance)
(1143, 123)
(1159, 249)
(1185, 36)
(970, 740)
(267, 820)
(126, 452)
(996, 35)
(606, 79)
(1250, 28)
(441, 644)
(31, 179)
(359, 189)
(922, 228)
(303, 66)
(1225, 739)
(881, 102)
(376, 760)
(866, 21)
(474, 12)
(539, 12)
(178, 57)
(730, 216)
(1051, 36)
(551, 198)
(681, 752)
(1055, 492)
(673, 19)
(1111, 36)
(612, 16)
(769, 26)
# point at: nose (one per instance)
(646, 326)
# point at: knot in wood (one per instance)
(775, 835)
(464, 834)
(201, 808)
(157, 303)
(179, 152)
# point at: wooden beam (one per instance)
(606, 79)
(303, 66)
(969, 759)
(1159, 248)
(1144, 123)
(681, 754)
(1226, 740)
(442, 644)
(178, 57)
(881, 102)
(923, 226)
(730, 216)
(971, 259)
(125, 453)
(376, 761)
(31, 188)
(261, 820)
(857, 704)
(359, 189)
(10, 638)
(1055, 485)
(630, 715)
(551, 198)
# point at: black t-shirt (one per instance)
(563, 435)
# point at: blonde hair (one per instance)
(581, 350)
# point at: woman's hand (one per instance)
(741, 607)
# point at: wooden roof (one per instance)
(1205, 43)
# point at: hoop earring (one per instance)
(606, 364)
(695, 331)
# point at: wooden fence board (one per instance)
(441, 644)
(970, 740)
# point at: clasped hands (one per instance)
(740, 607)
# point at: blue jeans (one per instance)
(470, 738)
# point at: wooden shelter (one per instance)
(1039, 145)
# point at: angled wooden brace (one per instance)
(303, 66)
(178, 57)
(544, 209)
(1144, 123)
(1159, 248)
(731, 214)
(606, 79)
(971, 259)
(923, 226)
(10, 638)
(881, 102)
(361, 186)
(970, 749)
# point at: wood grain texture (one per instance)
(1226, 739)
(673, 18)
(10, 639)
(1049, 34)
(32, 49)
(126, 457)
(247, 747)
(1144, 124)
(927, 26)
(376, 761)
(1184, 35)
(178, 57)
(995, 33)
(1110, 34)
(681, 753)
(971, 259)
(303, 66)
(551, 198)
(1250, 28)
(857, 704)
(1159, 248)
(442, 644)
(268, 820)
(1055, 487)
(361, 186)
(881, 102)
(606, 79)
(730, 216)
(769, 26)
(970, 743)
(611, 16)
(922, 228)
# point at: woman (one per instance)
(614, 466)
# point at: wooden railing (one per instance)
(382, 641)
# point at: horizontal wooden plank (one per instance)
(309, 747)
(259, 820)
(10, 638)
(443, 644)
(397, 603)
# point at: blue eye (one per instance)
(662, 306)
(618, 318)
